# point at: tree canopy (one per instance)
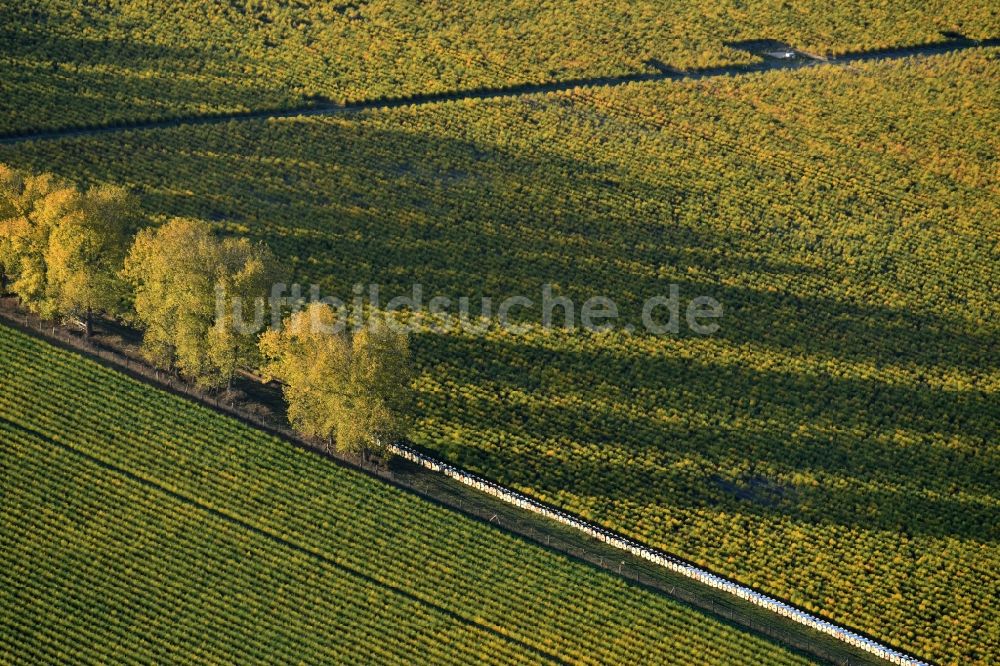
(176, 271)
(86, 251)
(29, 207)
(351, 390)
(62, 246)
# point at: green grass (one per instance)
(65, 64)
(835, 443)
(138, 526)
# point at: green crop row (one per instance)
(64, 65)
(139, 526)
(835, 443)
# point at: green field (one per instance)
(66, 63)
(138, 526)
(835, 443)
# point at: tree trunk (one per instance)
(88, 326)
(3, 281)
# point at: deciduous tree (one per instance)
(379, 401)
(312, 362)
(352, 391)
(63, 247)
(85, 253)
(178, 271)
(30, 207)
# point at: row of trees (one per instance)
(61, 247)
(76, 253)
(356, 389)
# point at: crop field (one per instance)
(125, 60)
(135, 523)
(834, 443)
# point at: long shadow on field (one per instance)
(356, 201)
(741, 430)
(122, 116)
(346, 202)
(64, 80)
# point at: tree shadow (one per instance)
(55, 80)
(704, 414)
(393, 208)
(345, 201)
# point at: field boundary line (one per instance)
(662, 73)
(658, 557)
(117, 361)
